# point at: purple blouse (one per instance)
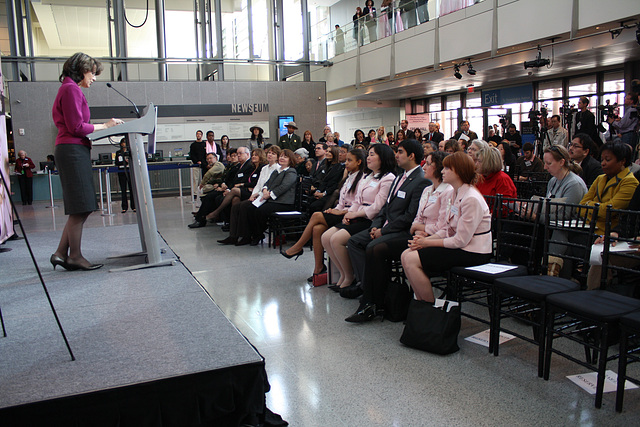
(71, 115)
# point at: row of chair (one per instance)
(553, 306)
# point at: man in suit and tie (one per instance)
(372, 250)
(404, 126)
(319, 164)
(434, 135)
(290, 140)
(469, 135)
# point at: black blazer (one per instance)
(331, 179)
(437, 137)
(241, 176)
(401, 211)
(317, 175)
(591, 169)
(283, 185)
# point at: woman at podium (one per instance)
(73, 157)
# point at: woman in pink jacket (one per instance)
(371, 195)
(463, 236)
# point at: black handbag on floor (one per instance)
(396, 301)
(432, 329)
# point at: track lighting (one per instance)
(456, 69)
(470, 69)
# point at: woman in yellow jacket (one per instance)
(616, 186)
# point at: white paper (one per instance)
(596, 251)
(258, 202)
(574, 223)
(588, 382)
(482, 338)
(463, 136)
(289, 213)
(492, 268)
(441, 302)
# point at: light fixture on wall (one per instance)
(470, 69)
(456, 69)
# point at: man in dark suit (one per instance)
(238, 175)
(464, 130)
(434, 135)
(290, 140)
(371, 251)
(580, 151)
(319, 164)
(408, 134)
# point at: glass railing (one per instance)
(387, 20)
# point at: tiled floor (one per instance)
(326, 372)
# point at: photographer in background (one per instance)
(626, 128)
(556, 135)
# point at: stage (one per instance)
(151, 346)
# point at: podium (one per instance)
(140, 185)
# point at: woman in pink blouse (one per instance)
(73, 157)
(431, 204)
(463, 232)
(321, 221)
(371, 195)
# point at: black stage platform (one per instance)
(152, 348)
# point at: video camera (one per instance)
(567, 112)
(608, 111)
(536, 115)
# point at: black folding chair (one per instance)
(516, 230)
(629, 333)
(282, 223)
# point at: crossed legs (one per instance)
(234, 193)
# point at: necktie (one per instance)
(404, 177)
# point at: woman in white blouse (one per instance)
(371, 195)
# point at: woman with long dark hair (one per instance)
(371, 196)
(71, 116)
(321, 221)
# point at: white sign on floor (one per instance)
(482, 338)
(588, 382)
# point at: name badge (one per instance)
(373, 184)
(454, 210)
(433, 199)
(254, 175)
(402, 194)
(240, 175)
(527, 163)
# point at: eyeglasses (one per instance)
(575, 145)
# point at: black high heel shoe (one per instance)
(55, 261)
(297, 254)
(74, 266)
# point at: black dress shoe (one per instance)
(352, 291)
(334, 287)
(226, 227)
(197, 224)
(73, 266)
(256, 240)
(365, 313)
(228, 241)
(244, 241)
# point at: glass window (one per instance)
(453, 102)
(320, 29)
(180, 33)
(435, 104)
(474, 100)
(613, 82)
(261, 29)
(550, 89)
(292, 30)
(581, 86)
(235, 29)
(141, 42)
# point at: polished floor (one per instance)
(326, 372)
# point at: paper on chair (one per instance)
(596, 251)
(491, 268)
(289, 213)
(588, 382)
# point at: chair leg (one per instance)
(495, 322)
(549, 343)
(4, 332)
(622, 370)
(492, 314)
(542, 329)
(602, 364)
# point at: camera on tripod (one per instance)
(608, 111)
(536, 115)
(567, 112)
(504, 121)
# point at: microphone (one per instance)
(122, 95)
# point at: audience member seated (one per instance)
(242, 190)
(318, 164)
(493, 180)
(308, 144)
(464, 132)
(321, 221)
(358, 138)
(213, 177)
(514, 139)
(463, 236)
(417, 134)
(273, 154)
(475, 146)
(277, 195)
(581, 150)
(528, 162)
(400, 136)
(301, 157)
(452, 146)
(236, 174)
(371, 195)
(330, 179)
(372, 250)
(508, 159)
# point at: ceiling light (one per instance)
(456, 69)
(470, 69)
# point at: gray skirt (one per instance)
(73, 162)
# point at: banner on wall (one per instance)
(507, 95)
(6, 217)
(419, 121)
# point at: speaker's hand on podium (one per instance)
(111, 123)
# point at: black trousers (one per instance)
(371, 260)
(125, 183)
(26, 189)
(261, 216)
(208, 205)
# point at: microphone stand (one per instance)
(130, 101)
